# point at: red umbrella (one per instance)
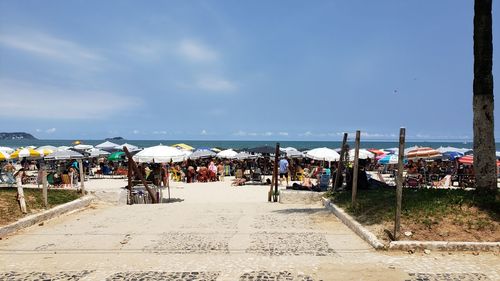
(423, 152)
(377, 151)
(469, 160)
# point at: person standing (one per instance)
(283, 165)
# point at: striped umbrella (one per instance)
(423, 152)
(4, 156)
(25, 152)
(6, 149)
(46, 149)
(469, 160)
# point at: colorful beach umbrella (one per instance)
(469, 160)
(377, 151)
(451, 155)
(390, 159)
(116, 156)
(4, 156)
(423, 152)
(46, 149)
(25, 153)
(182, 146)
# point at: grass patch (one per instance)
(9, 206)
(430, 214)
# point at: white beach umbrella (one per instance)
(107, 145)
(363, 154)
(129, 146)
(228, 154)
(95, 153)
(64, 155)
(63, 147)
(46, 149)
(323, 153)
(4, 156)
(26, 152)
(6, 149)
(160, 154)
(83, 147)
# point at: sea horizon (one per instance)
(243, 144)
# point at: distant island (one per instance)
(114, 139)
(16, 136)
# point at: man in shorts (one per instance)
(283, 164)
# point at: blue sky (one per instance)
(251, 70)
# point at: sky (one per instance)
(238, 70)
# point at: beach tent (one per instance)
(202, 153)
(160, 154)
(107, 145)
(64, 155)
(323, 153)
(4, 156)
(228, 154)
(25, 152)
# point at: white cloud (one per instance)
(215, 85)
(285, 134)
(52, 102)
(240, 133)
(195, 51)
(135, 132)
(203, 132)
(50, 131)
(49, 47)
(267, 134)
(38, 130)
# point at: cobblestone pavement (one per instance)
(240, 238)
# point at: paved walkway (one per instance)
(216, 232)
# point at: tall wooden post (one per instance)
(138, 173)
(399, 182)
(275, 174)
(45, 184)
(82, 176)
(355, 169)
(340, 166)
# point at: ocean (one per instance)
(223, 144)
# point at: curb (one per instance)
(444, 246)
(407, 245)
(353, 225)
(46, 215)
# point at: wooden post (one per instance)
(138, 173)
(399, 182)
(20, 196)
(45, 185)
(355, 169)
(340, 166)
(82, 176)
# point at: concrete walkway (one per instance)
(215, 232)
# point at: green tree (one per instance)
(484, 137)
